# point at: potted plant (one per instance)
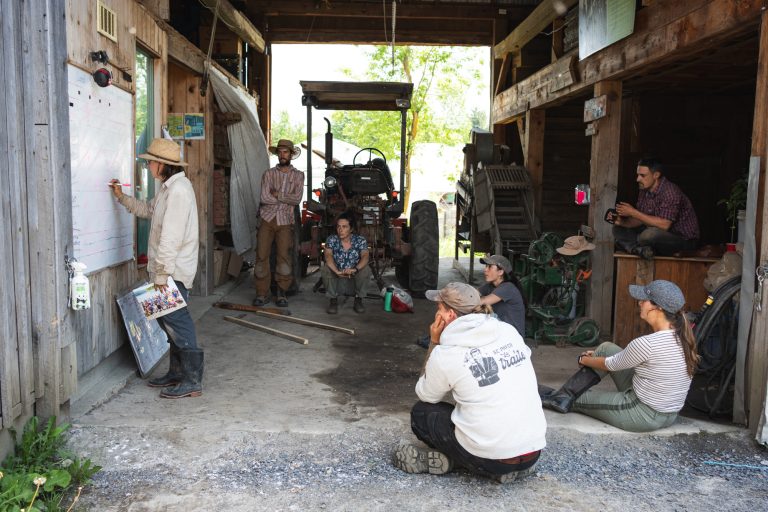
(736, 201)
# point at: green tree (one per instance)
(442, 77)
(282, 128)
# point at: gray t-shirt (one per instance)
(510, 308)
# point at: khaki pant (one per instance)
(283, 237)
(621, 408)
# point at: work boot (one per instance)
(644, 251)
(191, 382)
(173, 376)
(333, 307)
(359, 307)
(261, 300)
(562, 399)
(282, 300)
(545, 391)
(414, 459)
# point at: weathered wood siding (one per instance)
(184, 96)
(36, 372)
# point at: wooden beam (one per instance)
(665, 33)
(356, 9)
(541, 18)
(757, 350)
(237, 23)
(603, 180)
(533, 151)
(501, 80)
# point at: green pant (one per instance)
(622, 408)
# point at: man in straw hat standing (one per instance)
(282, 188)
(497, 428)
(172, 252)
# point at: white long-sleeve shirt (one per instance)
(486, 366)
(661, 379)
(173, 235)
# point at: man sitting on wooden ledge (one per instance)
(663, 222)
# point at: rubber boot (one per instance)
(562, 399)
(191, 382)
(545, 391)
(173, 376)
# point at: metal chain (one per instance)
(761, 272)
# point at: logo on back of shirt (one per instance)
(484, 369)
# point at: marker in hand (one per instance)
(115, 182)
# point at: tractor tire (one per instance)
(425, 259)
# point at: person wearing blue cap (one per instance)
(652, 373)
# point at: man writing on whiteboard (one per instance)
(172, 252)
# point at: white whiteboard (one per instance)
(101, 146)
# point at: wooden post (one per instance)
(757, 351)
(603, 179)
(533, 152)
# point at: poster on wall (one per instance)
(176, 125)
(602, 23)
(194, 126)
(101, 146)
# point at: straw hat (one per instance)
(165, 151)
(574, 245)
(287, 144)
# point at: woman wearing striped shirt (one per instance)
(652, 374)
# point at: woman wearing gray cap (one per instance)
(652, 374)
(503, 292)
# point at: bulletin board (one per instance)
(101, 146)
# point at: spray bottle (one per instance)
(79, 287)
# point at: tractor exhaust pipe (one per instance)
(328, 145)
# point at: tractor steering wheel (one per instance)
(370, 155)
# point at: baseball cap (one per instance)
(459, 296)
(574, 245)
(665, 294)
(498, 260)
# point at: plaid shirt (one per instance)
(669, 202)
(290, 189)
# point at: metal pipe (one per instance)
(309, 152)
(403, 118)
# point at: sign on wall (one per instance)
(101, 135)
(602, 23)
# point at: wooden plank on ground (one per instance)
(302, 321)
(268, 330)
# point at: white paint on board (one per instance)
(101, 146)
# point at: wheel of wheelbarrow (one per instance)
(586, 331)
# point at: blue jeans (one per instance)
(178, 325)
(432, 424)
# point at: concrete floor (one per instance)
(255, 381)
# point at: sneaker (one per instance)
(260, 300)
(359, 307)
(333, 307)
(413, 459)
(516, 475)
(282, 300)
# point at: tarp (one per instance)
(250, 159)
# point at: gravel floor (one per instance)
(152, 471)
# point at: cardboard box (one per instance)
(235, 264)
(220, 265)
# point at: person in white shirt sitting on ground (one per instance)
(652, 374)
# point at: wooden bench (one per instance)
(687, 273)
